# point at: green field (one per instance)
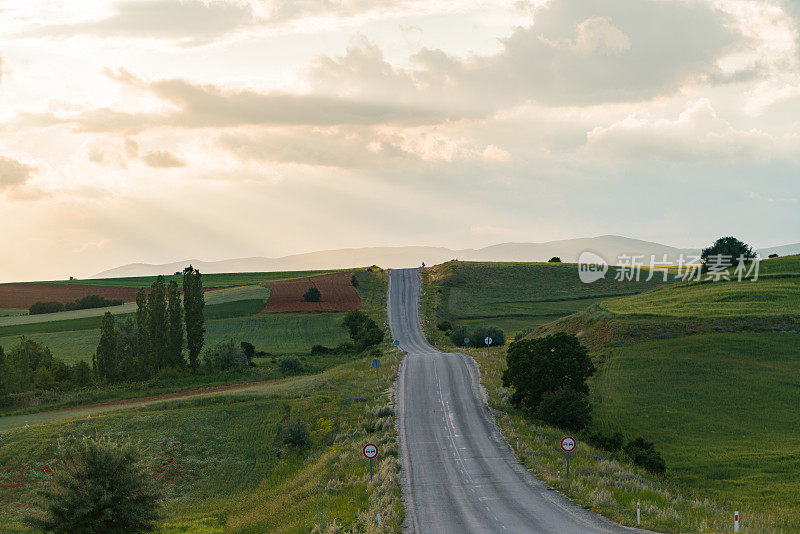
(720, 407)
(222, 465)
(12, 312)
(518, 296)
(209, 280)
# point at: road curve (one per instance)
(459, 475)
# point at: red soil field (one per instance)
(22, 295)
(337, 294)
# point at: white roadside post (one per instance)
(736, 521)
(638, 514)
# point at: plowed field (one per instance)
(22, 295)
(336, 291)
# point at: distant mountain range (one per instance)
(609, 247)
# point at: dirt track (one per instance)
(337, 294)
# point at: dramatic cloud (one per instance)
(13, 173)
(160, 159)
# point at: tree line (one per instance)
(154, 340)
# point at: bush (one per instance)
(554, 259)
(249, 351)
(545, 365)
(92, 301)
(45, 307)
(444, 326)
(353, 280)
(296, 434)
(565, 408)
(224, 355)
(81, 373)
(290, 365)
(458, 334)
(644, 454)
(100, 486)
(321, 349)
(773, 255)
(477, 336)
(610, 443)
(312, 295)
(363, 331)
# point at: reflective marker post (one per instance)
(736, 521)
(638, 514)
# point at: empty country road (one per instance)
(458, 474)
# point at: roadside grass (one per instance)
(517, 296)
(686, 384)
(223, 466)
(209, 280)
(12, 312)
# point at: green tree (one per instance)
(363, 331)
(101, 486)
(81, 374)
(312, 295)
(554, 259)
(729, 250)
(21, 362)
(157, 324)
(143, 349)
(175, 326)
(545, 365)
(565, 408)
(105, 362)
(193, 304)
(249, 351)
(644, 454)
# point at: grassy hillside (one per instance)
(518, 296)
(709, 371)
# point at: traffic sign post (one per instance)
(370, 451)
(466, 342)
(376, 363)
(568, 445)
(488, 342)
(396, 343)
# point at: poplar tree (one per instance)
(142, 336)
(157, 324)
(193, 304)
(174, 326)
(105, 358)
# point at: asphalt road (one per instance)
(459, 475)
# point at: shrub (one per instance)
(545, 365)
(101, 486)
(45, 307)
(249, 351)
(224, 355)
(81, 373)
(565, 408)
(479, 335)
(353, 280)
(296, 434)
(363, 331)
(312, 295)
(321, 349)
(290, 365)
(554, 259)
(644, 454)
(92, 301)
(607, 442)
(444, 326)
(458, 334)
(43, 379)
(774, 255)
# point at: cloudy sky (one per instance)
(160, 130)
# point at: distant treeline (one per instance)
(83, 303)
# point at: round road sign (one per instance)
(488, 341)
(396, 342)
(376, 363)
(466, 341)
(370, 451)
(568, 443)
